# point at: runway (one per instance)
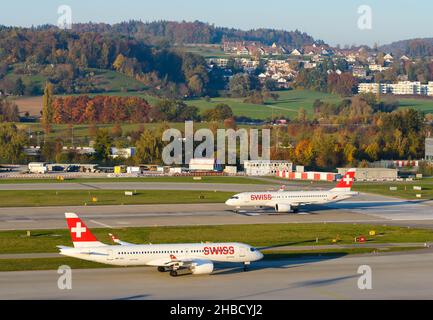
(199, 186)
(394, 276)
(362, 209)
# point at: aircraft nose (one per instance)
(229, 202)
(260, 255)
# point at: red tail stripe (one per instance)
(79, 231)
(347, 180)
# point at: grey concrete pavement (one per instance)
(199, 186)
(362, 209)
(394, 276)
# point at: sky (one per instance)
(334, 21)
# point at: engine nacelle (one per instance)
(283, 208)
(202, 267)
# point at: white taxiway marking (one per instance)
(101, 224)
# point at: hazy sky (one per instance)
(334, 21)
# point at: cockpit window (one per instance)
(235, 198)
(253, 249)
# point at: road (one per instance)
(394, 276)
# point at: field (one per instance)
(206, 51)
(271, 236)
(404, 189)
(288, 104)
(425, 105)
(37, 198)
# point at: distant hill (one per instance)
(421, 47)
(198, 32)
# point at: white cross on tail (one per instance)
(78, 230)
(347, 179)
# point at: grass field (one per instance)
(37, 198)
(45, 241)
(425, 105)
(288, 104)
(206, 51)
(404, 189)
(234, 180)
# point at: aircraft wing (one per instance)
(173, 261)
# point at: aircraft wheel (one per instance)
(173, 273)
(161, 269)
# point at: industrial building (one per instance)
(266, 167)
(204, 164)
(372, 174)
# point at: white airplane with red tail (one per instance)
(178, 259)
(290, 201)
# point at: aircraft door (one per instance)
(110, 256)
(242, 252)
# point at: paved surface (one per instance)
(394, 276)
(363, 209)
(232, 187)
(366, 208)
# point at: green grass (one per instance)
(54, 263)
(112, 81)
(288, 104)
(45, 241)
(38, 198)
(425, 105)
(206, 51)
(81, 131)
(230, 180)
(404, 189)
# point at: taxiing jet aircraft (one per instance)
(290, 201)
(178, 259)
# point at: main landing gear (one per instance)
(246, 265)
(162, 269)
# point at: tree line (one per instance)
(63, 56)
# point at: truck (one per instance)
(38, 167)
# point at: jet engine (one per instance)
(202, 267)
(283, 208)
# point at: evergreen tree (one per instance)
(47, 108)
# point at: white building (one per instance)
(122, 152)
(400, 88)
(372, 174)
(203, 164)
(369, 88)
(266, 167)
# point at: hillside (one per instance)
(412, 47)
(176, 33)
